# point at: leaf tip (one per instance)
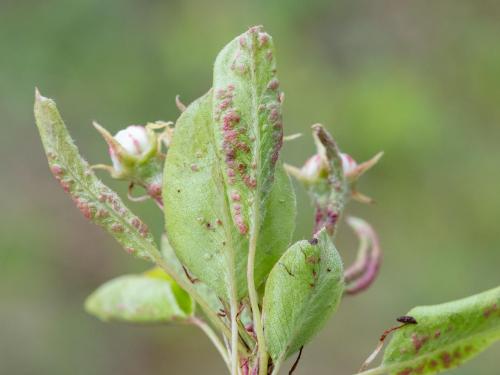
(38, 96)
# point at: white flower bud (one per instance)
(135, 140)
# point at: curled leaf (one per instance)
(363, 272)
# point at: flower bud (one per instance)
(129, 148)
(314, 168)
(136, 141)
(136, 154)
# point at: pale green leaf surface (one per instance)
(302, 291)
(445, 335)
(149, 298)
(203, 290)
(199, 225)
(95, 200)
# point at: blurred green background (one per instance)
(419, 80)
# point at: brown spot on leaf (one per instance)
(273, 84)
(446, 359)
(489, 310)
(117, 228)
(406, 371)
(420, 369)
(418, 341)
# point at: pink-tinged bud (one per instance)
(129, 149)
(314, 168)
(136, 141)
(349, 165)
(137, 157)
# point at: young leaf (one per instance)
(445, 335)
(95, 200)
(198, 212)
(302, 291)
(149, 298)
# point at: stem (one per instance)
(212, 316)
(235, 363)
(248, 340)
(233, 301)
(212, 336)
(252, 293)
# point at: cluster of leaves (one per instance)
(229, 218)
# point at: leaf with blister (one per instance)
(198, 217)
(445, 335)
(152, 297)
(303, 290)
(95, 200)
(248, 125)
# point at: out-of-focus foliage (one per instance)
(419, 80)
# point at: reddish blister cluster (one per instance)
(239, 220)
(234, 146)
(140, 226)
(238, 137)
(85, 208)
(58, 173)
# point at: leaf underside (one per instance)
(446, 335)
(302, 291)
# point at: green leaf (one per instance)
(302, 291)
(95, 200)
(248, 121)
(203, 290)
(200, 221)
(445, 335)
(149, 298)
